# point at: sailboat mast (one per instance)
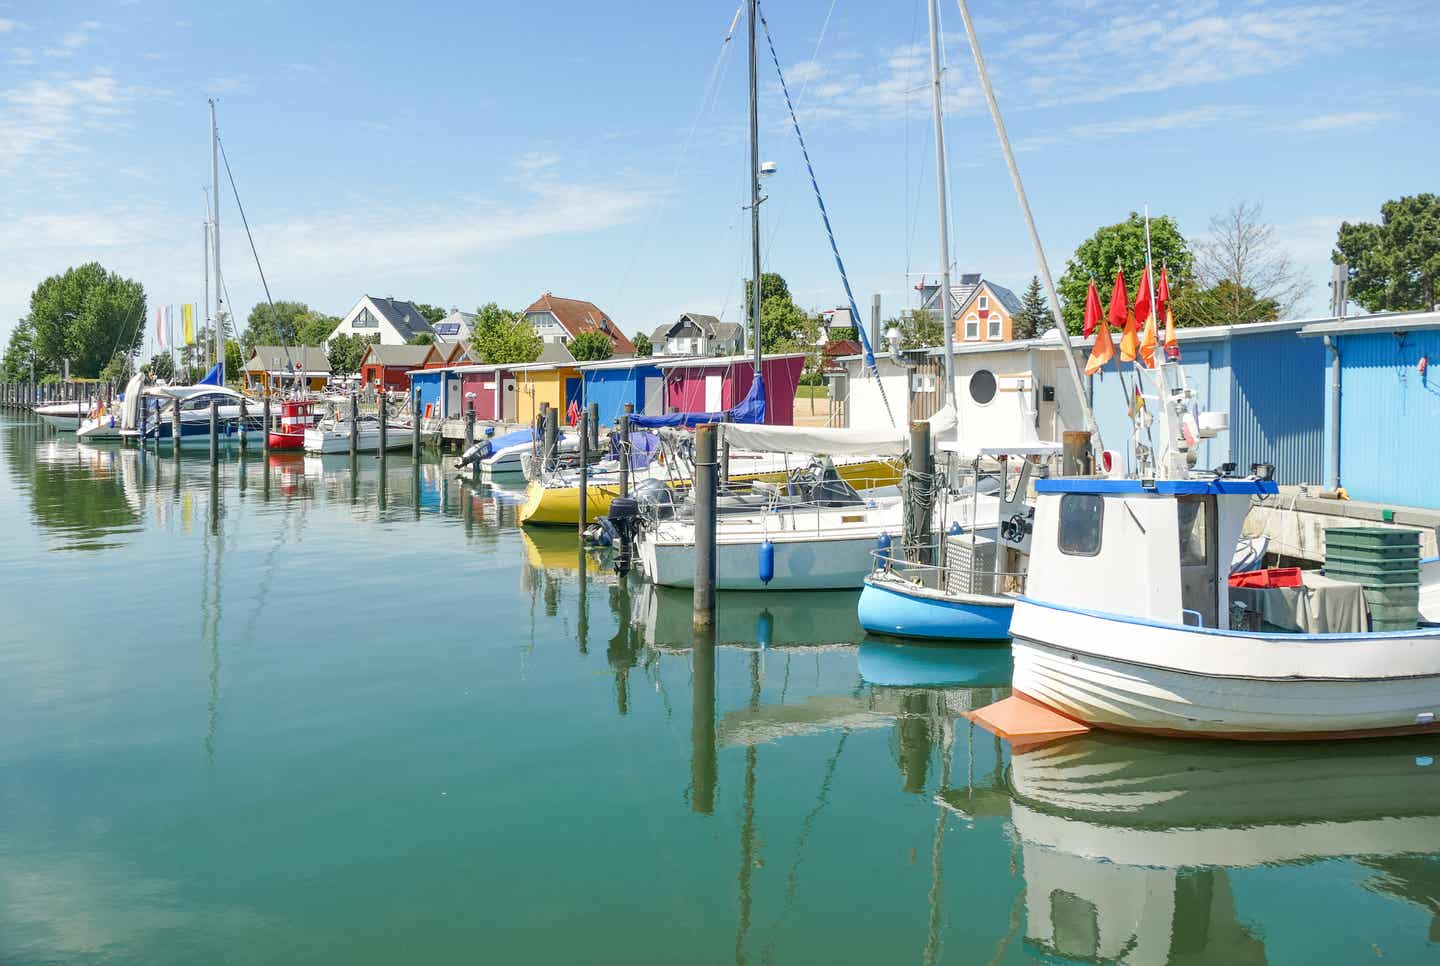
(753, 16)
(215, 232)
(947, 314)
(205, 251)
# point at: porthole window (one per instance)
(982, 386)
(1081, 515)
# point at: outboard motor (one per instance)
(624, 518)
(476, 452)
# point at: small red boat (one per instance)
(295, 418)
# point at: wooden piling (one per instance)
(584, 428)
(354, 425)
(265, 418)
(1076, 458)
(245, 429)
(594, 425)
(415, 423)
(919, 494)
(469, 425)
(175, 427)
(705, 526)
(214, 431)
(384, 429)
(625, 449)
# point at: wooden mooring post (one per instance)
(584, 428)
(384, 419)
(354, 425)
(214, 431)
(265, 418)
(245, 429)
(705, 526)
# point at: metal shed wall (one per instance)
(1277, 404)
(611, 389)
(1389, 414)
(1207, 367)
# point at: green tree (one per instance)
(161, 366)
(502, 335)
(1395, 265)
(1123, 246)
(18, 352)
(234, 361)
(1225, 303)
(432, 313)
(591, 347)
(287, 323)
(1034, 315)
(422, 338)
(920, 329)
(86, 315)
(772, 286)
(845, 333)
(346, 351)
(643, 346)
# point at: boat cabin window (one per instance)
(1192, 532)
(1080, 517)
(982, 386)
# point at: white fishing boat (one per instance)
(332, 435)
(1126, 620)
(105, 422)
(63, 417)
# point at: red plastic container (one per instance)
(1273, 577)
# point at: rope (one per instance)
(825, 217)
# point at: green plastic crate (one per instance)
(1378, 576)
(1388, 556)
(1393, 596)
(1394, 614)
(1370, 538)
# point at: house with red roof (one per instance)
(561, 320)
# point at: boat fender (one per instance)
(767, 562)
(882, 544)
(764, 628)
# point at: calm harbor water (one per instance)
(282, 713)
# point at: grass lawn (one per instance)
(812, 392)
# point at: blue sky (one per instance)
(459, 153)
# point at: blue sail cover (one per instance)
(215, 377)
(751, 409)
(643, 448)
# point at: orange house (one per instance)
(983, 311)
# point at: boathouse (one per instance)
(710, 385)
(389, 366)
(614, 382)
(1380, 404)
(273, 367)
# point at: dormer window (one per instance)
(984, 303)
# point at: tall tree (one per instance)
(1123, 246)
(1034, 315)
(591, 347)
(1395, 265)
(1244, 274)
(503, 335)
(432, 313)
(287, 323)
(346, 351)
(86, 315)
(19, 352)
(643, 345)
(772, 286)
(920, 329)
(162, 366)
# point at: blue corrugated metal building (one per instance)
(1389, 405)
(615, 382)
(1268, 379)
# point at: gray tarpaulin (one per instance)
(1320, 605)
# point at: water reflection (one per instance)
(75, 492)
(1130, 845)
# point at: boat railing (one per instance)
(952, 577)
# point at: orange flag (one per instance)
(1104, 348)
(1147, 322)
(1172, 344)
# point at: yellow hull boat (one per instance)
(560, 505)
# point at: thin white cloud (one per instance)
(73, 41)
(230, 84)
(21, 56)
(7, 25)
(534, 162)
(1343, 121)
(1196, 117)
(45, 115)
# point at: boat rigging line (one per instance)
(829, 231)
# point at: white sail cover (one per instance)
(830, 441)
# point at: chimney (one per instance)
(875, 333)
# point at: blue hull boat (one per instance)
(900, 608)
(929, 665)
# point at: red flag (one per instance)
(572, 415)
(1142, 297)
(1119, 301)
(1093, 314)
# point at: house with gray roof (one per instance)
(455, 327)
(278, 366)
(695, 334)
(395, 321)
(983, 311)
